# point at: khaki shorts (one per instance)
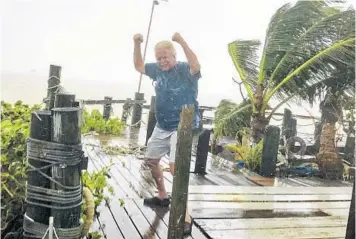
(162, 143)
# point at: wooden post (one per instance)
(66, 131)
(181, 173)
(292, 128)
(64, 100)
(349, 149)
(75, 104)
(107, 108)
(40, 130)
(53, 83)
(202, 152)
(286, 126)
(125, 110)
(270, 151)
(151, 123)
(137, 111)
(350, 229)
(317, 133)
(201, 114)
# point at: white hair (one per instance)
(166, 45)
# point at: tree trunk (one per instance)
(258, 125)
(328, 159)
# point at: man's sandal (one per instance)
(155, 201)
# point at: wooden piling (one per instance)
(201, 114)
(286, 125)
(107, 108)
(202, 152)
(292, 128)
(350, 229)
(151, 122)
(270, 151)
(137, 111)
(349, 149)
(181, 172)
(75, 104)
(64, 100)
(53, 84)
(40, 129)
(125, 110)
(66, 131)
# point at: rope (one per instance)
(67, 197)
(41, 230)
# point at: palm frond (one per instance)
(285, 28)
(230, 117)
(272, 25)
(245, 58)
(325, 46)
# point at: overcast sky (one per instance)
(92, 40)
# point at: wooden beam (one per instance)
(103, 102)
(181, 172)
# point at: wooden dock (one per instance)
(223, 204)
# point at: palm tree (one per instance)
(304, 42)
(230, 118)
(335, 93)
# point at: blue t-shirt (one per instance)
(174, 88)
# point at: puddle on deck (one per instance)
(283, 213)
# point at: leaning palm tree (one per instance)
(334, 93)
(303, 44)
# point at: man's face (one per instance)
(165, 59)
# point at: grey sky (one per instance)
(92, 40)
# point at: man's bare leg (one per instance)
(157, 175)
(187, 216)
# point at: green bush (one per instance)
(94, 121)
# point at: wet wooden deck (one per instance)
(223, 204)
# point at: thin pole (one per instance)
(154, 2)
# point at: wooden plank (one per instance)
(121, 214)
(211, 189)
(122, 219)
(118, 213)
(319, 182)
(95, 227)
(269, 205)
(267, 198)
(141, 223)
(154, 216)
(102, 160)
(271, 223)
(140, 175)
(300, 233)
(119, 171)
(196, 233)
(108, 223)
(161, 213)
(95, 161)
(336, 212)
(230, 213)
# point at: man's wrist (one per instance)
(137, 43)
(182, 42)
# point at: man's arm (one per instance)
(191, 57)
(138, 61)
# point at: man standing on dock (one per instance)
(176, 84)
